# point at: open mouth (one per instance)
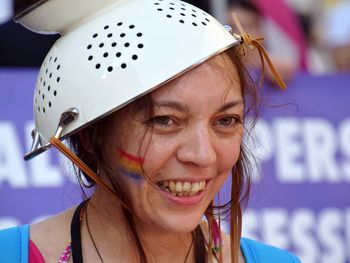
(182, 188)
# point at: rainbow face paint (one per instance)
(130, 165)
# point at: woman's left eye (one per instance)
(227, 121)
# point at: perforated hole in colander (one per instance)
(48, 84)
(114, 47)
(183, 12)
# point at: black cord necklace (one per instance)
(90, 235)
(75, 234)
(189, 250)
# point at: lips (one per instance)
(182, 188)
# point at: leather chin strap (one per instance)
(82, 166)
(250, 42)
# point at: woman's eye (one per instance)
(226, 121)
(162, 120)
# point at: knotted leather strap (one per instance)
(255, 42)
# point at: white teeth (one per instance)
(182, 188)
(195, 187)
(178, 187)
(172, 186)
(186, 186)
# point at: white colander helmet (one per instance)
(112, 52)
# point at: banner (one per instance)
(300, 198)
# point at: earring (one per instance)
(85, 180)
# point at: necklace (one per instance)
(189, 250)
(90, 235)
(76, 234)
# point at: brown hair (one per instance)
(94, 158)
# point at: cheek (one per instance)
(125, 158)
(129, 165)
(229, 154)
(157, 155)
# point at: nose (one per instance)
(197, 147)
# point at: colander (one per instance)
(110, 53)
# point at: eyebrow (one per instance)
(229, 105)
(172, 104)
(182, 107)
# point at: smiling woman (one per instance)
(155, 131)
(188, 147)
(167, 155)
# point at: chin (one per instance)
(174, 214)
(180, 222)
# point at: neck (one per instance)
(112, 234)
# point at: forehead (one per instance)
(214, 79)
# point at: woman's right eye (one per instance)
(162, 121)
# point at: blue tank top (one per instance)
(256, 252)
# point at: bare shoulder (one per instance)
(226, 250)
(52, 235)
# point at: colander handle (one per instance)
(66, 117)
(36, 143)
(37, 147)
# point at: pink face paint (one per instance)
(130, 165)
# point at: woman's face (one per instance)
(187, 149)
